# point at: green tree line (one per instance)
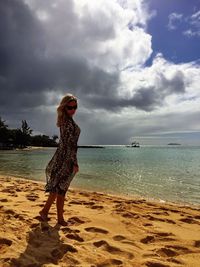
(21, 137)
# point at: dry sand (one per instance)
(104, 230)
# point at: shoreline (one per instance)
(54, 147)
(115, 230)
(120, 195)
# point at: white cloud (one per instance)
(191, 23)
(174, 20)
(177, 90)
(97, 31)
(195, 19)
(191, 33)
(194, 25)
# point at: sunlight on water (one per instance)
(168, 173)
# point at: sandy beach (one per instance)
(104, 230)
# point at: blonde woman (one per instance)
(63, 166)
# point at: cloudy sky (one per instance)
(134, 66)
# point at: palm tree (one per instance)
(2, 124)
(23, 135)
(3, 133)
(25, 129)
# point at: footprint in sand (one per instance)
(70, 248)
(175, 261)
(9, 211)
(151, 218)
(170, 221)
(96, 230)
(171, 251)
(97, 207)
(4, 243)
(67, 230)
(162, 236)
(124, 240)
(168, 209)
(118, 201)
(118, 237)
(64, 248)
(84, 194)
(155, 264)
(32, 197)
(166, 252)
(75, 202)
(92, 205)
(179, 249)
(189, 220)
(11, 190)
(147, 239)
(89, 203)
(197, 243)
(3, 200)
(77, 220)
(112, 250)
(147, 224)
(134, 201)
(150, 205)
(18, 190)
(82, 202)
(15, 215)
(130, 215)
(165, 213)
(75, 237)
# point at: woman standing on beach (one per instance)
(63, 166)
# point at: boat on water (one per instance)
(134, 144)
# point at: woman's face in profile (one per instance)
(71, 108)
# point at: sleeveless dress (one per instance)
(59, 170)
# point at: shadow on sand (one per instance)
(43, 247)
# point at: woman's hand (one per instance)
(75, 168)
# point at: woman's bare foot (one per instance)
(43, 216)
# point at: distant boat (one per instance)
(134, 144)
(174, 144)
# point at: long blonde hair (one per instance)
(61, 109)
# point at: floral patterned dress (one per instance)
(59, 170)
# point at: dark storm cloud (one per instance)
(146, 99)
(28, 69)
(173, 85)
(21, 45)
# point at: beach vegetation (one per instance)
(22, 137)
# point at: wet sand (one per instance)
(104, 230)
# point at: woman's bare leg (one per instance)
(44, 212)
(60, 205)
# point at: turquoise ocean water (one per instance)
(170, 173)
